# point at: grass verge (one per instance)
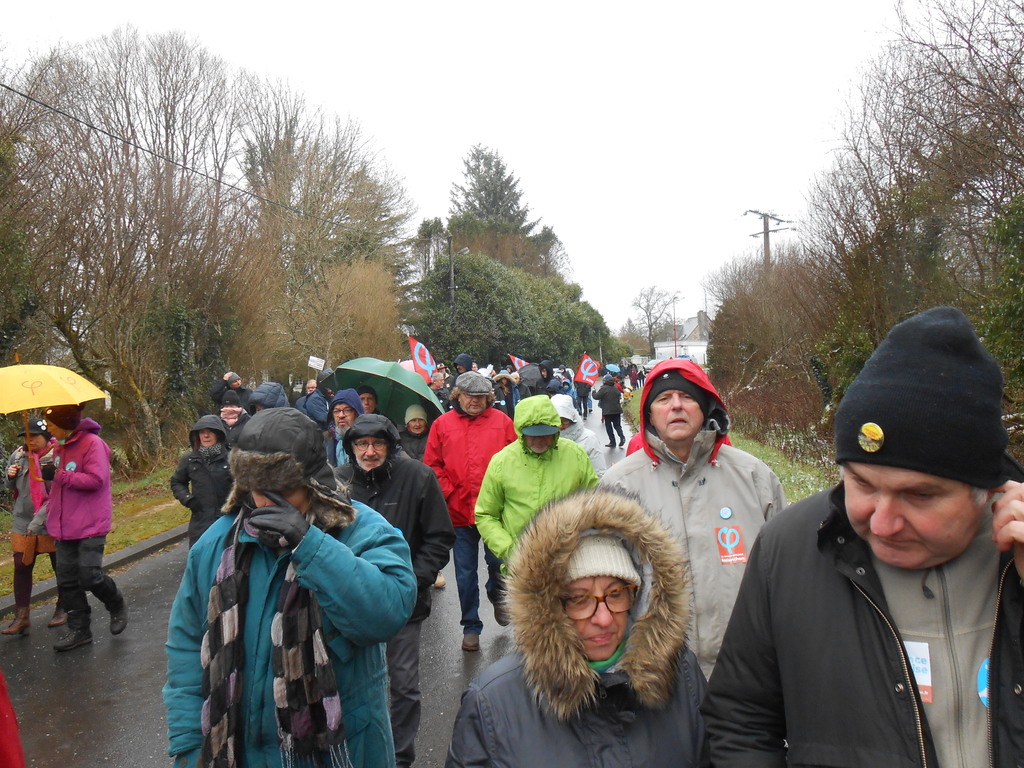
(142, 508)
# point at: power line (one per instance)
(187, 168)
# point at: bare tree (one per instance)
(153, 264)
(133, 255)
(653, 303)
(330, 207)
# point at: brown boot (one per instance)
(20, 625)
(59, 617)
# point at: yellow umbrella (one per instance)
(29, 387)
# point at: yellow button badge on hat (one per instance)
(871, 437)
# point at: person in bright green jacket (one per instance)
(525, 475)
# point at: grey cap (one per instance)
(473, 383)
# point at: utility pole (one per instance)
(675, 335)
(451, 271)
(767, 230)
(451, 275)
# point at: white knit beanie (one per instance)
(415, 412)
(602, 555)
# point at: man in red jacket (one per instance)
(460, 446)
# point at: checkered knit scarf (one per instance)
(309, 722)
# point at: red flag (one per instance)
(587, 370)
(422, 360)
(518, 362)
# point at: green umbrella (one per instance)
(397, 388)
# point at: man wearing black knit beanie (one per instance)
(879, 622)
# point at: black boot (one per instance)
(119, 618)
(73, 639)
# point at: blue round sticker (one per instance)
(725, 513)
(983, 682)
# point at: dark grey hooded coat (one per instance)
(544, 705)
(202, 483)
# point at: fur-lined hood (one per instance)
(555, 667)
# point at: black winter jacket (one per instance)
(608, 398)
(202, 484)
(406, 492)
(414, 446)
(813, 659)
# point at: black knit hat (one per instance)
(929, 399)
(675, 380)
(366, 389)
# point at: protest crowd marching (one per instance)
(667, 605)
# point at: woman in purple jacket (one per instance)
(79, 514)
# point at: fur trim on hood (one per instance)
(555, 666)
(282, 448)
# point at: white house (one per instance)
(690, 338)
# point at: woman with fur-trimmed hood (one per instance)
(601, 675)
(275, 652)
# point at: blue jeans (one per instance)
(466, 554)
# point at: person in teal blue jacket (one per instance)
(315, 585)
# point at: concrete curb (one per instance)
(44, 590)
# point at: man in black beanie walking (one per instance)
(878, 623)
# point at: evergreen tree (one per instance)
(491, 193)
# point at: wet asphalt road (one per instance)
(100, 705)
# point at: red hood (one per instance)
(692, 372)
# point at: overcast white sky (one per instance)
(640, 132)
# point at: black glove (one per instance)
(281, 525)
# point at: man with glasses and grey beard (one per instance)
(345, 408)
(406, 492)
